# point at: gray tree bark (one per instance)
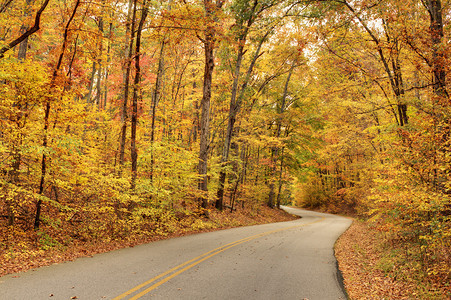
(209, 45)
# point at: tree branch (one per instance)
(5, 5)
(27, 33)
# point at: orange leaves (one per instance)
(181, 21)
(372, 264)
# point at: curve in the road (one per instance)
(286, 260)
(168, 275)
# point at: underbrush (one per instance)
(376, 266)
(410, 228)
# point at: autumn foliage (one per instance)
(127, 119)
(101, 120)
(386, 135)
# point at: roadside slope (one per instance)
(28, 252)
(373, 269)
(284, 260)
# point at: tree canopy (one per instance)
(123, 116)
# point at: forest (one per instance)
(123, 119)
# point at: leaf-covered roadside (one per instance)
(21, 251)
(374, 268)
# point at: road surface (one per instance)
(286, 260)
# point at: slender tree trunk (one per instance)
(441, 100)
(47, 115)
(91, 82)
(257, 164)
(107, 72)
(155, 100)
(196, 125)
(129, 52)
(209, 45)
(280, 180)
(271, 194)
(279, 129)
(235, 104)
(23, 47)
(43, 166)
(399, 86)
(205, 119)
(434, 8)
(397, 79)
(275, 150)
(240, 179)
(233, 111)
(98, 96)
(136, 91)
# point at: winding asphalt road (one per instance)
(287, 260)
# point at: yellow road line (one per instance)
(195, 261)
(174, 269)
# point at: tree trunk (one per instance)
(271, 195)
(98, 96)
(91, 82)
(275, 150)
(47, 115)
(22, 54)
(257, 164)
(209, 45)
(441, 99)
(205, 119)
(235, 104)
(399, 86)
(136, 91)
(240, 179)
(434, 8)
(280, 180)
(107, 72)
(196, 125)
(233, 111)
(129, 55)
(155, 100)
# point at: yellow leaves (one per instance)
(415, 217)
(26, 79)
(3, 148)
(271, 141)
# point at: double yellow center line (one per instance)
(168, 275)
